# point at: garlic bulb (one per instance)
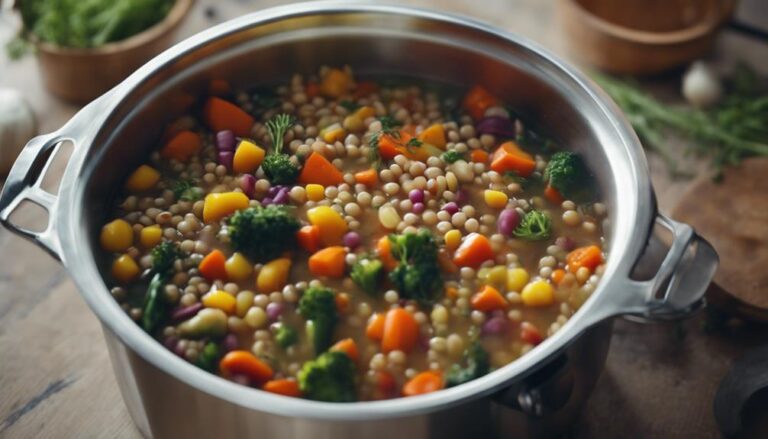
(17, 126)
(701, 87)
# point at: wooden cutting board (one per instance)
(732, 214)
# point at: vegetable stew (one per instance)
(348, 240)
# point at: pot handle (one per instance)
(677, 288)
(23, 184)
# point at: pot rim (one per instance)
(114, 319)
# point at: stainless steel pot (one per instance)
(536, 394)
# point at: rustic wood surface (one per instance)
(55, 375)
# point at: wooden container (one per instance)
(81, 75)
(641, 36)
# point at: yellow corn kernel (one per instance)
(217, 206)
(238, 267)
(495, 199)
(315, 192)
(365, 112)
(116, 236)
(273, 275)
(452, 239)
(497, 275)
(516, 279)
(332, 226)
(150, 236)
(538, 293)
(220, 300)
(333, 133)
(143, 178)
(125, 269)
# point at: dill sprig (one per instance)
(389, 127)
(277, 127)
(278, 166)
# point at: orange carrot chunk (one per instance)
(386, 385)
(530, 333)
(424, 382)
(478, 156)
(318, 170)
(182, 146)
(245, 363)
(328, 262)
(473, 251)
(558, 275)
(384, 251)
(369, 177)
(401, 332)
(349, 347)
(213, 266)
(222, 115)
(510, 158)
(477, 100)
(488, 299)
(284, 387)
(309, 238)
(375, 328)
(553, 195)
(589, 257)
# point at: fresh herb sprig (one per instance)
(389, 127)
(278, 166)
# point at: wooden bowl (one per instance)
(641, 36)
(81, 75)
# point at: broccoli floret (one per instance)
(278, 166)
(209, 357)
(286, 336)
(452, 156)
(163, 257)
(262, 233)
(477, 365)
(185, 190)
(566, 173)
(417, 275)
(330, 377)
(367, 273)
(318, 307)
(535, 226)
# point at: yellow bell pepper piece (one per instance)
(218, 206)
(273, 275)
(248, 157)
(538, 293)
(238, 267)
(220, 300)
(150, 236)
(516, 279)
(142, 179)
(315, 192)
(116, 236)
(125, 269)
(332, 226)
(495, 199)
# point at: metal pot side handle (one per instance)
(677, 289)
(23, 184)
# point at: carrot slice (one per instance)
(477, 100)
(328, 262)
(309, 238)
(284, 387)
(424, 382)
(213, 266)
(375, 328)
(488, 299)
(530, 333)
(478, 156)
(369, 177)
(245, 363)
(342, 302)
(318, 170)
(182, 146)
(349, 347)
(384, 251)
(510, 158)
(473, 251)
(434, 135)
(553, 195)
(558, 275)
(401, 332)
(223, 115)
(589, 257)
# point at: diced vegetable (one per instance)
(417, 275)
(424, 382)
(308, 238)
(285, 387)
(273, 275)
(218, 206)
(478, 156)
(245, 363)
(369, 177)
(222, 115)
(529, 333)
(375, 328)
(384, 252)
(488, 299)
(517, 278)
(477, 100)
(330, 377)
(318, 306)
(495, 199)
(401, 332)
(510, 158)
(473, 251)
(150, 236)
(278, 166)
(434, 135)
(125, 269)
(535, 226)
(336, 83)
(248, 157)
(209, 357)
(328, 262)
(452, 239)
(349, 347)
(477, 364)
(538, 293)
(220, 300)
(142, 179)
(213, 266)
(367, 274)
(209, 322)
(590, 257)
(332, 226)
(238, 268)
(315, 192)
(182, 146)
(553, 195)
(263, 233)
(318, 170)
(116, 236)
(566, 173)
(286, 336)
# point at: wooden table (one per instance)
(57, 381)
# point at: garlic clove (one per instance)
(701, 86)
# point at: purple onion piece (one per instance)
(247, 182)
(352, 240)
(418, 208)
(266, 201)
(274, 310)
(231, 343)
(462, 197)
(281, 197)
(274, 190)
(494, 326)
(187, 312)
(565, 243)
(508, 221)
(451, 207)
(497, 126)
(416, 195)
(225, 158)
(225, 141)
